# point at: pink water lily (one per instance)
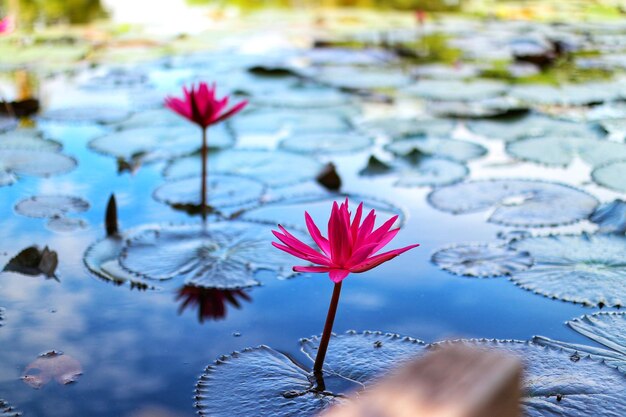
(7, 25)
(201, 106)
(351, 246)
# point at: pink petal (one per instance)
(388, 237)
(356, 222)
(178, 106)
(235, 109)
(315, 233)
(361, 254)
(335, 235)
(312, 269)
(366, 228)
(337, 275)
(378, 234)
(290, 251)
(291, 241)
(373, 262)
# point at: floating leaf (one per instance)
(363, 357)
(258, 381)
(568, 94)
(605, 328)
(66, 224)
(370, 78)
(485, 108)
(7, 410)
(27, 139)
(117, 78)
(422, 172)
(304, 98)
(514, 128)
(611, 175)
(34, 262)
(398, 128)
(455, 90)
(277, 121)
(586, 269)
(610, 217)
(50, 206)
(521, 203)
(456, 150)
(64, 369)
(158, 143)
(446, 72)
(101, 115)
(222, 191)
(265, 166)
(223, 255)
(156, 117)
(558, 385)
(560, 151)
(482, 260)
(328, 143)
(212, 303)
(15, 162)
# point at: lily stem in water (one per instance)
(328, 329)
(203, 196)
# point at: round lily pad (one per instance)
(420, 172)
(49, 206)
(485, 108)
(558, 385)
(269, 167)
(520, 203)
(304, 98)
(222, 191)
(66, 224)
(398, 128)
(560, 151)
(605, 328)
(611, 175)
(158, 143)
(101, 115)
(514, 128)
(15, 162)
(456, 90)
(326, 143)
(586, 269)
(610, 217)
(357, 78)
(27, 139)
(482, 260)
(7, 410)
(456, 150)
(223, 255)
(157, 117)
(446, 72)
(117, 78)
(277, 121)
(568, 94)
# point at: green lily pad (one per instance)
(586, 269)
(457, 90)
(456, 150)
(520, 203)
(605, 328)
(482, 260)
(223, 255)
(560, 151)
(326, 143)
(17, 162)
(611, 175)
(265, 166)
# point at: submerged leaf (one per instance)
(55, 365)
(482, 260)
(586, 269)
(611, 175)
(268, 167)
(605, 328)
(610, 217)
(521, 203)
(223, 255)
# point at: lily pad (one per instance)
(327, 143)
(398, 128)
(66, 224)
(64, 369)
(480, 109)
(605, 328)
(223, 255)
(268, 167)
(514, 128)
(222, 191)
(27, 139)
(482, 260)
(158, 143)
(422, 172)
(557, 384)
(50, 206)
(7, 410)
(100, 115)
(304, 98)
(611, 175)
(154, 118)
(587, 269)
(610, 217)
(371, 78)
(15, 162)
(520, 203)
(560, 151)
(568, 94)
(7, 123)
(456, 150)
(456, 90)
(266, 122)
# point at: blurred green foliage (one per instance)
(427, 5)
(30, 12)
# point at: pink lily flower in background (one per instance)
(351, 246)
(7, 25)
(202, 107)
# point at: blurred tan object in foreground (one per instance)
(451, 381)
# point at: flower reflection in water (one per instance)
(212, 303)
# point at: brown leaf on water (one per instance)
(33, 261)
(64, 369)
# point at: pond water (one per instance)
(141, 351)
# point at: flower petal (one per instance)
(235, 109)
(338, 275)
(374, 261)
(311, 269)
(315, 233)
